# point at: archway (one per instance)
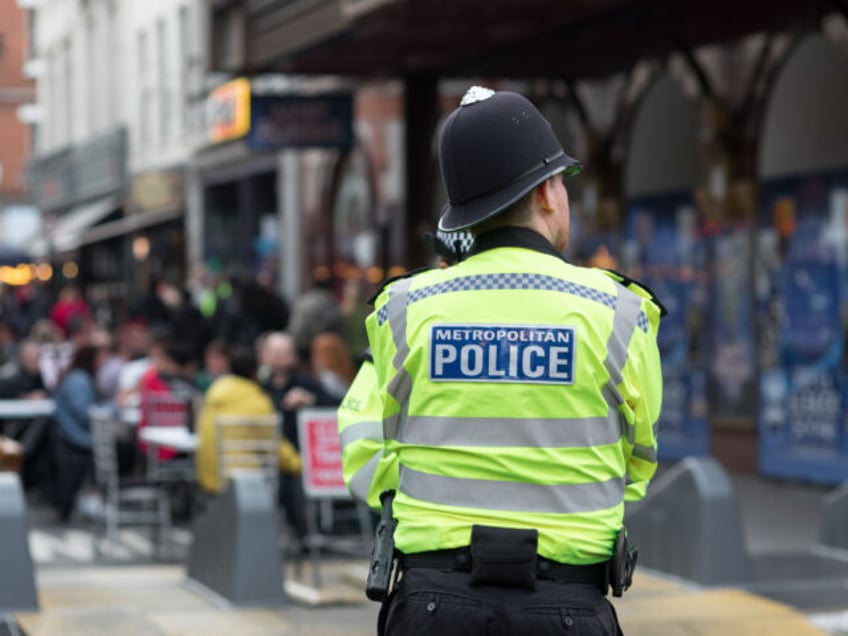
(663, 249)
(802, 267)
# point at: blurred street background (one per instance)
(186, 182)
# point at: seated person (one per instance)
(165, 394)
(20, 379)
(235, 393)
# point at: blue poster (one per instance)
(732, 383)
(801, 300)
(664, 249)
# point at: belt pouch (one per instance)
(503, 556)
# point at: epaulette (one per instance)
(392, 279)
(366, 356)
(630, 284)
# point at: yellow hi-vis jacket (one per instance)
(515, 390)
(368, 470)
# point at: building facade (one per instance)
(18, 219)
(120, 94)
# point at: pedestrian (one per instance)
(290, 391)
(74, 396)
(518, 395)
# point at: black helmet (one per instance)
(493, 150)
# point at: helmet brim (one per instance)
(460, 216)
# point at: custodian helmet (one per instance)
(493, 150)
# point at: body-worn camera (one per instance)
(382, 552)
(622, 564)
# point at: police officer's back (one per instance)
(517, 396)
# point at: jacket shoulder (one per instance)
(390, 281)
(637, 287)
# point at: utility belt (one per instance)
(497, 556)
(516, 570)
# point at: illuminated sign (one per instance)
(228, 109)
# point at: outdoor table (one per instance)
(177, 438)
(22, 411)
(26, 409)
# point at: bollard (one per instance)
(17, 575)
(235, 549)
(833, 529)
(689, 526)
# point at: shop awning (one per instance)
(68, 232)
(129, 224)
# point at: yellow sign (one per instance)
(229, 110)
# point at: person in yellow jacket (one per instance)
(517, 394)
(235, 393)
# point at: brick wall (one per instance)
(15, 90)
(13, 45)
(14, 150)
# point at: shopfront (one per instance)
(255, 205)
(78, 189)
(801, 271)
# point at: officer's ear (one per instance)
(545, 194)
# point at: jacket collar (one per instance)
(514, 237)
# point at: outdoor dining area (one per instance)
(239, 538)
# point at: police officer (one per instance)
(517, 396)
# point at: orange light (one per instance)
(374, 274)
(396, 270)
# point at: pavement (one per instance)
(127, 592)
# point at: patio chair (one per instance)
(168, 410)
(249, 443)
(133, 501)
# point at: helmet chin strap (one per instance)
(457, 247)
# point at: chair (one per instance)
(131, 502)
(168, 410)
(248, 443)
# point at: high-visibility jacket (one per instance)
(367, 469)
(517, 391)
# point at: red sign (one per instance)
(321, 453)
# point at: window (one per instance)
(2, 44)
(93, 76)
(162, 79)
(186, 46)
(144, 91)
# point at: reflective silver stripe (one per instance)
(396, 312)
(628, 307)
(514, 281)
(361, 481)
(503, 431)
(511, 496)
(400, 386)
(370, 430)
(645, 453)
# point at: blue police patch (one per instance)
(532, 354)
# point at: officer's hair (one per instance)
(517, 213)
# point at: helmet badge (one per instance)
(476, 94)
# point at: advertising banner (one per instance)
(732, 382)
(321, 454)
(663, 249)
(802, 262)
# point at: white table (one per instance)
(178, 438)
(26, 409)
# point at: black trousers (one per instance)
(430, 601)
(73, 466)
